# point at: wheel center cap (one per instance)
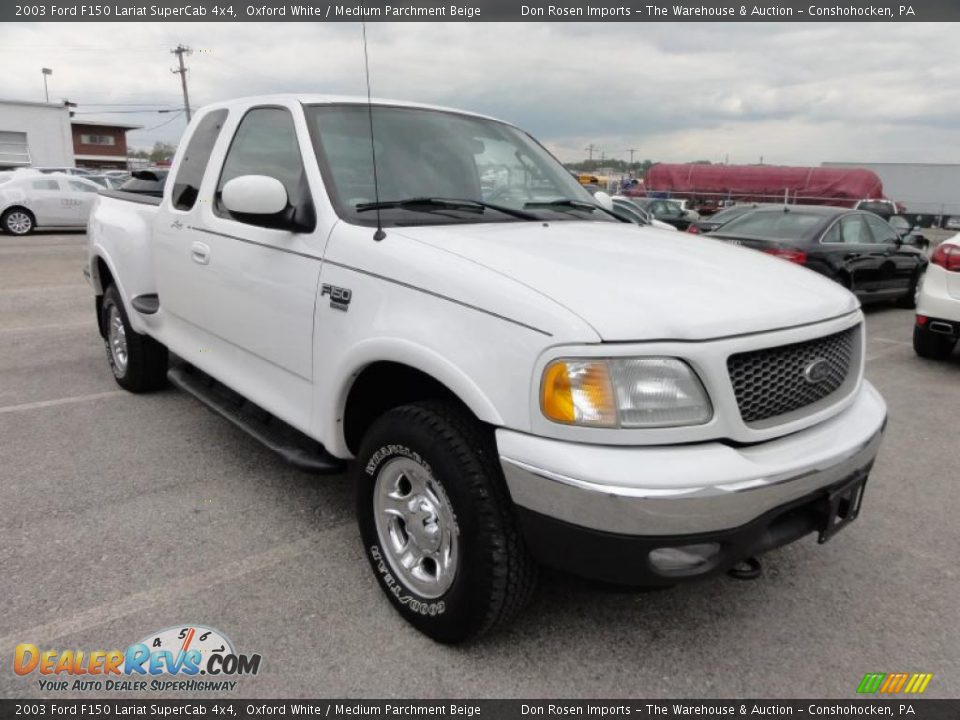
(424, 524)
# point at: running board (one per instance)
(288, 442)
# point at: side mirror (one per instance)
(603, 200)
(254, 195)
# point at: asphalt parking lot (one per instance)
(124, 514)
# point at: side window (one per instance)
(45, 184)
(833, 234)
(193, 165)
(854, 230)
(882, 233)
(81, 186)
(266, 144)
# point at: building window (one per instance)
(13, 148)
(98, 140)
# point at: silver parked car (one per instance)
(30, 201)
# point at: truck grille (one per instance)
(775, 381)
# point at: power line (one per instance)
(180, 51)
(177, 114)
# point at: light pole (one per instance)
(46, 91)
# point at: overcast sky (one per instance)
(792, 93)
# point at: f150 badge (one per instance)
(339, 297)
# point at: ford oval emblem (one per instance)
(817, 371)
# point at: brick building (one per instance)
(100, 143)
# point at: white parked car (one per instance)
(625, 206)
(33, 201)
(513, 375)
(937, 327)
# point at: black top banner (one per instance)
(480, 11)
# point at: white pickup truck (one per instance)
(515, 376)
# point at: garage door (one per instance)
(13, 148)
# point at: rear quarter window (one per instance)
(193, 164)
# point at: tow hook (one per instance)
(749, 569)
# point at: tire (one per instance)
(138, 362)
(472, 570)
(18, 221)
(931, 345)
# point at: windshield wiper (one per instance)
(429, 204)
(563, 203)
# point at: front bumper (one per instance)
(614, 504)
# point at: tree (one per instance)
(162, 151)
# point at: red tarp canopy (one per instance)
(755, 182)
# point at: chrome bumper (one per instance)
(688, 489)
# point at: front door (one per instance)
(249, 290)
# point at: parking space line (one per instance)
(883, 353)
(62, 401)
(888, 340)
(166, 592)
(42, 288)
(58, 326)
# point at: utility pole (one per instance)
(631, 151)
(180, 51)
(590, 148)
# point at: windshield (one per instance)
(441, 156)
(780, 225)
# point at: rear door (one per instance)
(78, 199)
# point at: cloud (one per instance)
(793, 93)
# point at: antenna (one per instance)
(379, 234)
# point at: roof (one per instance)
(318, 99)
(825, 210)
(106, 123)
(30, 103)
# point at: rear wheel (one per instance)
(17, 221)
(437, 523)
(139, 362)
(932, 345)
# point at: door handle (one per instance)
(851, 256)
(200, 253)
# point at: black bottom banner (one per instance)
(508, 709)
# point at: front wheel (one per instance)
(17, 221)
(437, 523)
(139, 362)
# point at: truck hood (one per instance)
(631, 283)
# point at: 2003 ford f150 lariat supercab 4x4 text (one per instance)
(517, 377)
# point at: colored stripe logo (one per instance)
(894, 683)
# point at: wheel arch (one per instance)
(381, 381)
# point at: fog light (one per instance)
(684, 558)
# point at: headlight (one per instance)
(624, 392)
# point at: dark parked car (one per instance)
(722, 217)
(666, 211)
(857, 249)
(148, 182)
(908, 232)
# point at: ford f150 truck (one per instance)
(515, 376)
